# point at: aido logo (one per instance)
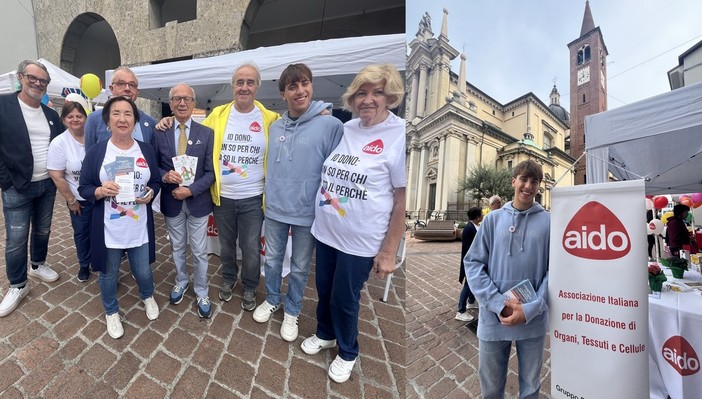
(596, 233)
(679, 353)
(211, 227)
(141, 162)
(375, 147)
(255, 127)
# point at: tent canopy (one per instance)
(658, 139)
(62, 83)
(333, 62)
(60, 79)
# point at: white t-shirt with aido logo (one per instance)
(355, 200)
(241, 157)
(125, 223)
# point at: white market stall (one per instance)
(333, 62)
(659, 139)
(62, 83)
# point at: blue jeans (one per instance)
(300, 263)
(81, 232)
(340, 278)
(466, 295)
(141, 269)
(240, 219)
(183, 229)
(493, 361)
(33, 206)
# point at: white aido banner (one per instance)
(598, 291)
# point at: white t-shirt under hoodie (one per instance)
(355, 200)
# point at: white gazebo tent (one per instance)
(658, 139)
(62, 83)
(333, 62)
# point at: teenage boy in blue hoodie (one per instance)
(298, 144)
(511, 246)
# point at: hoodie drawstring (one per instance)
(513, 229)
(292, 141)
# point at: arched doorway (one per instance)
(273, 22)
(89, 46)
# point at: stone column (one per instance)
(420, 201)
(413, 97)
(421, 97)
(441, 175)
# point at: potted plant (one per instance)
(655, 278)
(677, 266)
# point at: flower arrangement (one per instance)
(677, 266)
(655, 278)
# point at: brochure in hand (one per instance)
(186, 166)
(523, 291)
(124, 176)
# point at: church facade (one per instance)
(453, 126)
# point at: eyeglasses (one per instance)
(33, 80)
(178, 99)
(122, 85)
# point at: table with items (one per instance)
(675, 338)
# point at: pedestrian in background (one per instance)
(467, 299)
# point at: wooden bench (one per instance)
(437, 230)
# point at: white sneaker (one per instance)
(12, 298)
(312, 345)
(465, 316)
(43, 273)
(114, 325)
(288, 330)
(340, 369)
(474, 305)
(151, 308)
(264, 311)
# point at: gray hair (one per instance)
(250, 64)
(22, 68)
(494, 199)
(170, 92)
(123, 68)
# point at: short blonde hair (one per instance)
(386, 74)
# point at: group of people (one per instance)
(507, 245)
(337, 188)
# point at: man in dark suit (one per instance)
(475, 216)
(185, 198)
(26, 128)
(123, 83)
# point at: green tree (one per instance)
(482, 182)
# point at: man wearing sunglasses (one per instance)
(123, 83)
(26, 128)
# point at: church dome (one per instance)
(560, 112)
(555, 105)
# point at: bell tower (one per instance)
(588, 85)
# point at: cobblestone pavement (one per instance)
(442, 353)
(55, 345)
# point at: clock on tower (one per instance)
(583, 75)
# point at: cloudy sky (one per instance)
(517, 46)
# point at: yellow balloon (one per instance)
(91, 85)
(666, 216)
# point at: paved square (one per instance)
(55, 345)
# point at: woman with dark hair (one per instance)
(64, 160)
(120, 177)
